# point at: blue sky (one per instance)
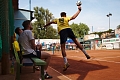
(93, 11)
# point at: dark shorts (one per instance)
(31, 55)
(66, 33)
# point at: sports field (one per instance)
(103, 65)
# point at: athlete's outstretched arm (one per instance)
(77, 13)
(49, 23)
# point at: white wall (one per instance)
(47, 41)
(112, 43)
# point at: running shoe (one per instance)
(37, 68)
(88, 57)
(47, 76)
(66, 66)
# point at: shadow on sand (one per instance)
(81, 68)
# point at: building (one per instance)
(117, 33)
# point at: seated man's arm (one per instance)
(33, 46)
(31, 39)
(39, 47)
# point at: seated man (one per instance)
(26, 40)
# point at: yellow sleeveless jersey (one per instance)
(62, 23)
(14, 37)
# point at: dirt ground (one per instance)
(103, 65)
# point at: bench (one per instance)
(36, 62)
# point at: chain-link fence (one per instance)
(6, 25)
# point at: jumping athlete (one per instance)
(65, 31)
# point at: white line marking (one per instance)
(109, 57)
(106, 61)
(60, 73)
(100, 59)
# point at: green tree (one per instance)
(118, 27)
(108, 31)
(42, 17)
(51, 32)
(80, 29)
(99, 34)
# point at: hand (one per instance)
(79, 7)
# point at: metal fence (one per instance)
(6, 25)
(6, 31)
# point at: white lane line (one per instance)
(117, 62)
(109, 57)
(100, 59)
(107, 61)
(60, 73)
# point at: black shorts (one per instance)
(31, 55)
(66, 33)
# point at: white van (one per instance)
(109, 46)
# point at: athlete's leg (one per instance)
(72, 36)
(81, 47)
(64, 52)
(64, 57)
(63, 39)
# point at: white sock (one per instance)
(65, 60)
(45, 72)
